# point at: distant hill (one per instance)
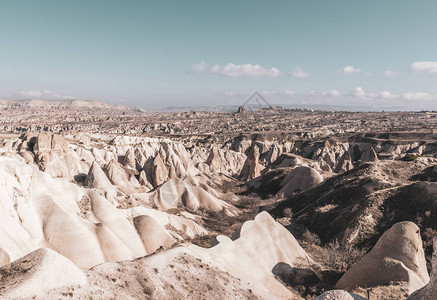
(61, 105)
(326, 107)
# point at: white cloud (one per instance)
(298, 72)
(390, 74)
(386, 95)
(289, 93)
(424, 67)
(333, 93)
(269, 93)
(359, 93)
(362, 94)
(349, 70)
(245, 70)
(419, 96)
(198, 68)
(31, 93)
(233, 70)
(44, 94)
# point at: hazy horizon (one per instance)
(198, 53)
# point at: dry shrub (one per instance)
(427, 237)
(334, 257)
(288, 213)
(341, 258)
(310, 237)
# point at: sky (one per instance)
(154, 54)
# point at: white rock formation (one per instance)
(256, 249)
(97, 179)
(298, 180)
(80, 224)
(129, 159)
(183, 193)
(39, 271)
(153, 235)
(225, 161)
(397, 256)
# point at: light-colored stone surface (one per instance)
(397, 256)
(37, 272)
(260, 244)
(298, 180)
(430, 290)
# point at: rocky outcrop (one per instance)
(356, 207)
(156, 171)
(129, 159)
(298, 180)
(183, 193)
(369, 155)
(261, 244)
(53, 155)
(226, 162)
(153, 235)
(78, 223)
(143, 278)
(4, 258)
(430, 290)
(251, 168)
(39, 271)
(345, 163)
(144, 181)
(45, 141)
(241, 110)
(397, 256)
(97, 179)
(123, 178)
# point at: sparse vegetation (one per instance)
(340, 258)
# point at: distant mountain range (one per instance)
(58, 105)
(225, 108)
(92, 105)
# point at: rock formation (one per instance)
(251, 168)
(397, 256)
(182, 193)
(97, 179)
(37, 272)
(129, 159)
(354, 206)
(345, 163)
(241, 110)
(157, 171)
(260, 244)
(106, 202)
(430, 290)
(369, 155)
(298, 180)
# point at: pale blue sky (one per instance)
(142, 52)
